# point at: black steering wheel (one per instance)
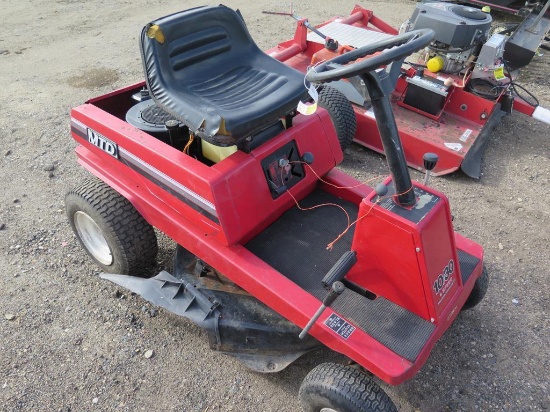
(395, 48)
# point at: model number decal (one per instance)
(103, 143)
(444, 277)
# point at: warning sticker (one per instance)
(340, 326)
(465, 135)
(457, 147)
(306, 109)
(309, 108)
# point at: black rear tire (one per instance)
(341, 113)
(332, 386)
(110, 229)
(478, 292)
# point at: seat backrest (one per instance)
(202, 34)
(184, 48)
(203, 67)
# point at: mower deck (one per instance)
(461, 139)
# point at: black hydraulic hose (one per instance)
(514, 86)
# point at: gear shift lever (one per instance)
(430, 160)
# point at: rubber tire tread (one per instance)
(478, 292)
(344, 389)
(131, 238)
(341, 113)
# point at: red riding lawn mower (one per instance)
(448, 97)
(278, 252)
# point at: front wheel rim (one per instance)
(92, 237)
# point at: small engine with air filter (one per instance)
(147, 116)
(150, 118)
(460, 32)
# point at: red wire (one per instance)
(320, 205)
(332, 184)
(331, 244)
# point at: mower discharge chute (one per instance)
(450, 95)
(278, 251)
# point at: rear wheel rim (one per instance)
(92, 237)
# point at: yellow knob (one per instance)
(486, 9)
(154, 32)
(435, 64)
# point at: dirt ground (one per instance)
(72, 342)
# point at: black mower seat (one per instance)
(202, 66)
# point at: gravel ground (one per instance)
(69, 341)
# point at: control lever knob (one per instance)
(308, 158)
(331, 44)
(381, 189)
(336, 290)
(430, 160)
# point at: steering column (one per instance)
(379, 85)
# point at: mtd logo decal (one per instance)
(103, 143)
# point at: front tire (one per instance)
(478, 292)
(110, 229)
(332, 387)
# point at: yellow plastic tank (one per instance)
(216, 153)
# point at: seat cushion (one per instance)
(203, 67)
